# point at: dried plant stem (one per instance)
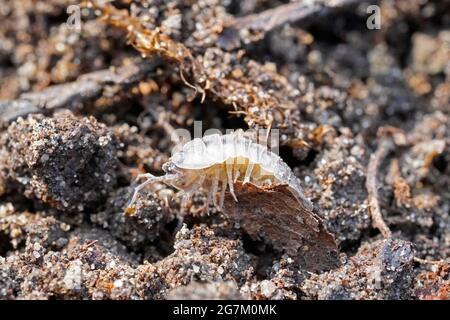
(378, 222)
(87, 87)
(372, 187)
(286, 13)
(424, 261)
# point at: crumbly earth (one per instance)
(333, 87)
(379, 270)
(65, 162)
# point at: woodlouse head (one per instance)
(179, 179)
(169, 167)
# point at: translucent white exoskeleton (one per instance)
(216, 162)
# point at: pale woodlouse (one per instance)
(216, 162)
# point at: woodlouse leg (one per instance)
(229, 167)
(208, 201)
(222, 194)
(248, 172)
(184, 200)
(189, 193)
(215, 186)
(211, 193)
(236, 176)
(150, 179)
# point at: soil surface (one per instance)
(364, 121)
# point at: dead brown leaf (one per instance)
(274, 215)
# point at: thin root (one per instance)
(372, 187)
(425, 261)
(187, 83)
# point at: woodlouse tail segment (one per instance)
(150, 179)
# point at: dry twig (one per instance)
(70, 95)
(424, 261)
(386, 144)
(286, 13)
(372, 186)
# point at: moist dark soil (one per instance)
(84, 111)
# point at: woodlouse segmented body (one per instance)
(216, 162)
